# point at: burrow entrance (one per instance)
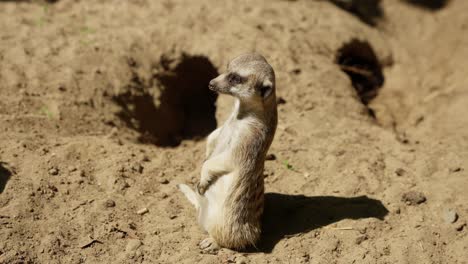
(429, 4)
(174, 104)
(5, 175)
(368, 11)
(358, 60)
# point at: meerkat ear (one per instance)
(266, 89)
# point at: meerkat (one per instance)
(229, 198)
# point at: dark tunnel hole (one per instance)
(429, 4)
(185, 108)
(368, 11)
(358, 60)
(31, 1)
(5, 175)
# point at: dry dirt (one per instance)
(105, 108)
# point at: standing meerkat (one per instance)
(230, 195)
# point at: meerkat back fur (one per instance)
(229, 198)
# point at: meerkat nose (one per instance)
(211, 85)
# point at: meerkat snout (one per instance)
(248, 77)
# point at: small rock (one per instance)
(362, 230)
(296, 71)
(457, 169)
(360, 239)
(240, 261)
(460, 226)
(413, 198)
(132, 225)
(280, 100)
(133, 245)
(71, 168)
(110, 203)
(53, 171)
(125, 185)
(120, 235)
(142, 211)
(400, 172)
(450, 216)
(163, 181)
(52, 188)
(270, 157)
(397, 210)
(138, 168)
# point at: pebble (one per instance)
(413, 198)
(450, 216)
(138, 167)
(400, 172)
(270, 157)
(163, 181)
(133, 245)
(280, 100)
(460, 226)
(457, 169)
(110, 203)
(360, 239)
(296, 71)
(142, 211)
(53, 171)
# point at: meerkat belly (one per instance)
(215, 197)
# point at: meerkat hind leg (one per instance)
(209, 246)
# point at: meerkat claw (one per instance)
(200, 189)
(209, 246)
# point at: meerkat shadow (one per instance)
(288, 215)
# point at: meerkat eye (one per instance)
(234, 78)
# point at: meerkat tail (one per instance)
(191, 195)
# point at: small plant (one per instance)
(288, 166)
(45, 111)
(86, 31)
(43, 19)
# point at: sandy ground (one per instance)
(104, 109)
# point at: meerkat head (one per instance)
(249, 77)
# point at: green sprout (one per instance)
(288, 166)
(44, 110)
(87, 30)
(42, 20)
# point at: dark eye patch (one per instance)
(234, 78)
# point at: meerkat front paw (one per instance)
(209, 246)
(201, 188)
